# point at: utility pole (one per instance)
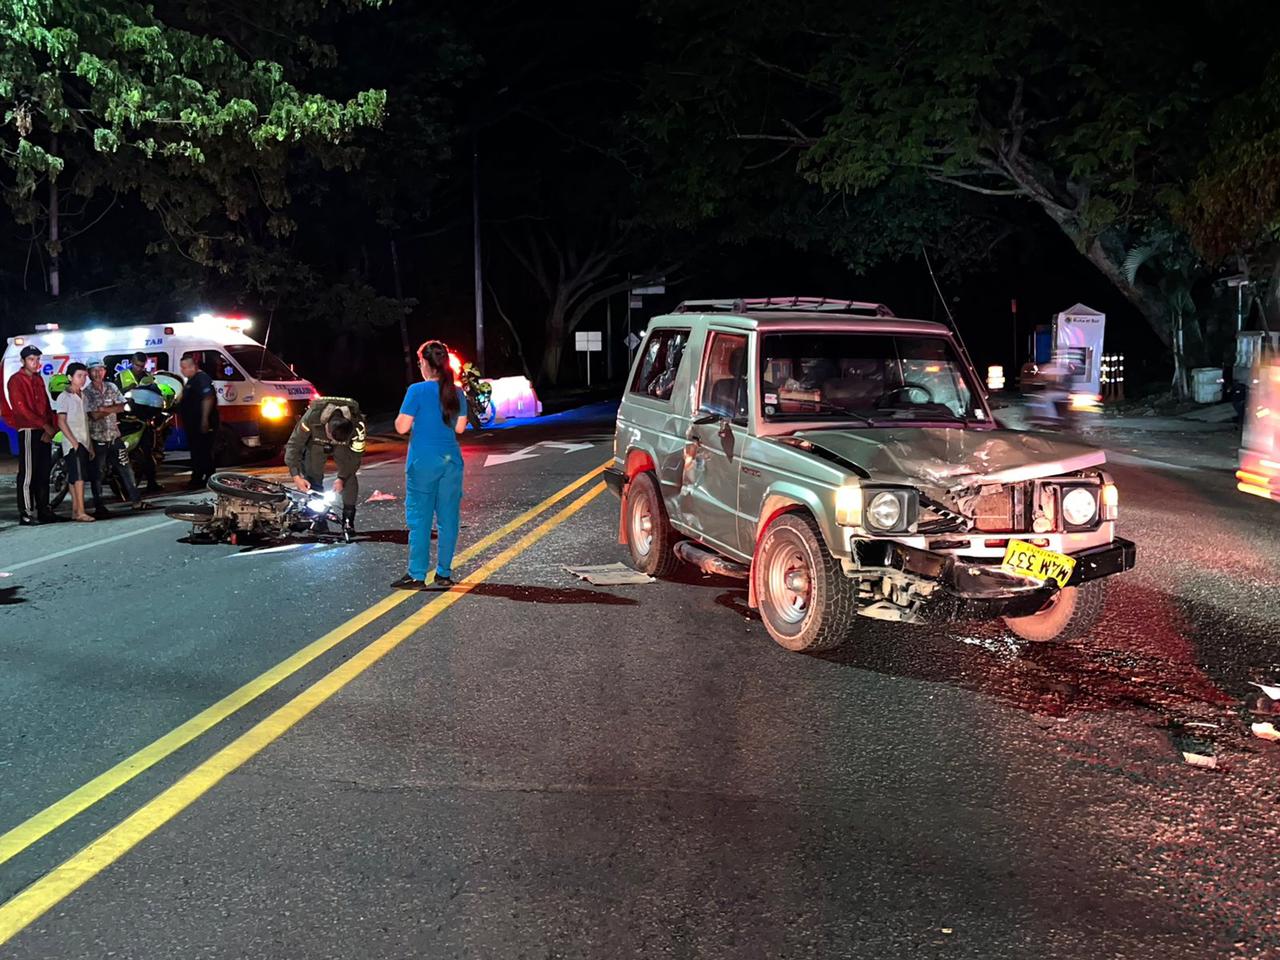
(608, 338)
(55, 280)
(475, 219)
(1013, 307)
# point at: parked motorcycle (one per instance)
(479, 394)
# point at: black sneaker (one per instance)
(407, 583)
(30, 521)
(443, 583)
(102, 513)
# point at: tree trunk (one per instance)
(515, 334)
(1111, 264)
(1180, 384)
(553, 352)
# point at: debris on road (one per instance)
(1272, 692)
(378, 496)
(1199, 760)
(609, 575)
(1266, 731)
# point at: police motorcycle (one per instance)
(479, 394)
(249, 509)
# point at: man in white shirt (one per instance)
(77, 448)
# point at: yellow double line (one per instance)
(23, 909)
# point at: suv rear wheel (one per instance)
(1073, 611)
(806, 602)
(649, 533)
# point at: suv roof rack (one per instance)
(803, 304)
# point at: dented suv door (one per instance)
(708, 502)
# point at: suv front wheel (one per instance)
(1072, 612)
(806, 602)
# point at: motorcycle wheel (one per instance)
(246, 487)
(58, 485)
(197, 514)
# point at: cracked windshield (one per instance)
(809, 376)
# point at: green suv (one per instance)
(845, 463)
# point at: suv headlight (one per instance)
(884, 512)
(1079, 506)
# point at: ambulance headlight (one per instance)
(273, 408)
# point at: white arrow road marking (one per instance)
(496, 459)
(528, 453)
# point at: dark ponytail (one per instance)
(436, 356)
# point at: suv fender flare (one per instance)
(637, 461)
(783, 498)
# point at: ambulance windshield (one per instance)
(259, 362)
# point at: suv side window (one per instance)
(660, 363)
(724, 380)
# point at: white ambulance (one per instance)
(259, 397)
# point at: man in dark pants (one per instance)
(200, 420)
(31, 414)
(330, 425)
(103, 402)
(127, 379)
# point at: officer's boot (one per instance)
(349, 520)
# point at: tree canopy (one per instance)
(1093, 113)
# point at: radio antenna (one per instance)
(955, 330)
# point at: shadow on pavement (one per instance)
(400, 536)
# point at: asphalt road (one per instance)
(539, 768)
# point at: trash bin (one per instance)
(1206, 384)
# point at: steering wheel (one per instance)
(909, 388)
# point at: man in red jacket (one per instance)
(31, 414)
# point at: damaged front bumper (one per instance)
(983, 585)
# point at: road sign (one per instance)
(632, 341)
(637, 303)
(589, 342)
(659, 285)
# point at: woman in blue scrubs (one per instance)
(434, 413)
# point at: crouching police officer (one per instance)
(330, 425)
